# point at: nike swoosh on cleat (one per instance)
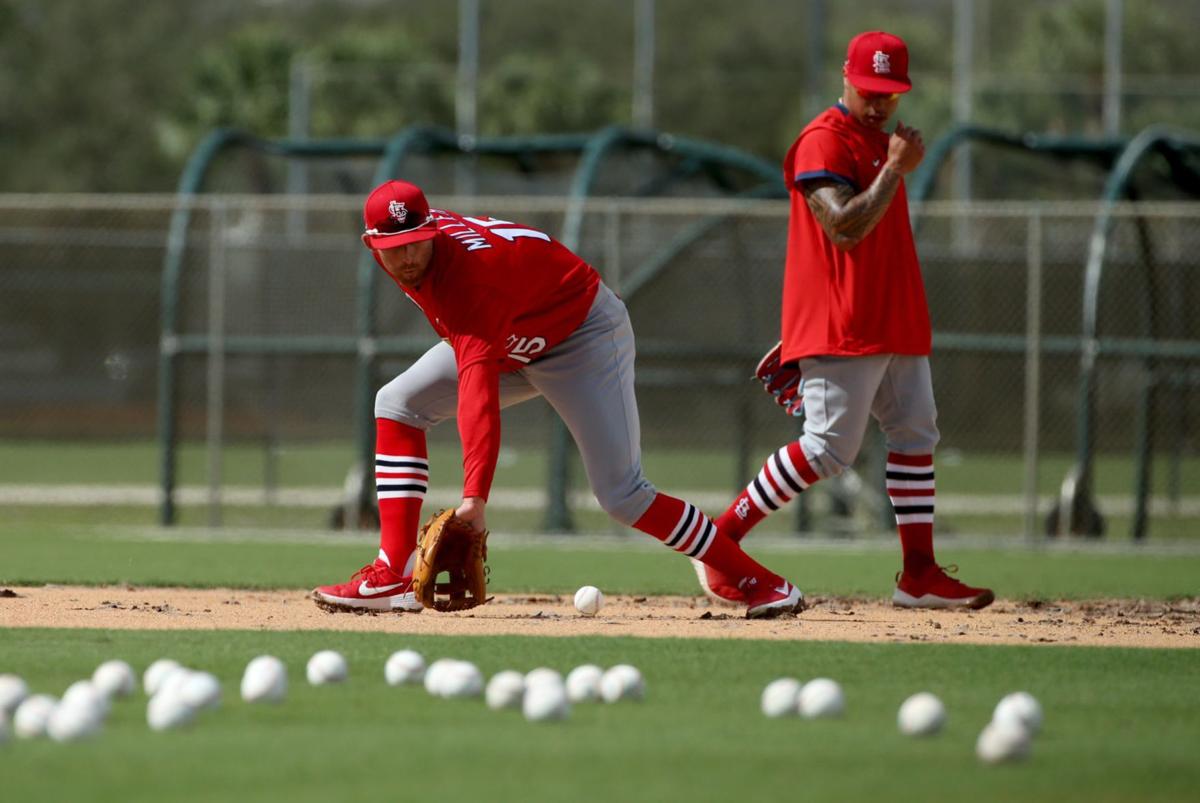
(784, 589)
(366, 590)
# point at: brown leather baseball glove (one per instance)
(448, 545)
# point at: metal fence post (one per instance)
(216, 358)
(1033, 359)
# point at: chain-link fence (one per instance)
(266, 393)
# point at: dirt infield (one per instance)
(1110, 623)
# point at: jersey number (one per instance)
(509, 234)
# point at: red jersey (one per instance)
(502, 295)
(870, 299)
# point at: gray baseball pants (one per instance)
(587, 379)
(841, 393)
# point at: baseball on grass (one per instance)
(29, 720)
(921, 715)
(326, 666)
(779, 698)
(12, 691)
(200, 690)
(168, 709)
(404, 666)
(156, 673)
(1021, 708)
(505, 690)
(821, 698)
(435, 674)
(73, 721)
(545, 702)
(461, 679)
(85, 693)
(541, 675)
(265, 680)
(622, 682)
(1002, 741)
(589, 600)
(115, 678)
(583, 683)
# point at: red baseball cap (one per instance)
(396, 213)
(877, 61)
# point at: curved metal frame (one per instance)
(594, 148)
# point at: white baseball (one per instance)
(173, 681)
(1020, 708)
(13, 690)
(154, 675)
(85, 693)
(622, 682)
(31, 716)
(115, 678)
(404, 666)
(589, 600)
(435, 674)
(461, 679)
(543, 675)
(200, 690)
(779, 698)
(505, 690)
(583, 683)
(821, 698)
(326, 666)
(168, 709)
(265, 680)
(922, 714)
(1002, 741)
(545, 702)
(73, 721)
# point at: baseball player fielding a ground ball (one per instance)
(855, 324)
(520, 316)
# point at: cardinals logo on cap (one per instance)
(882, 62)
(397, 211)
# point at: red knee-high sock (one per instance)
(401, 479)
(785, 474)
(681, 526)
(910, 487)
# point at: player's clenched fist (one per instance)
(905, 149)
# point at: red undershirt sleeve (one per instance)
(477, 336)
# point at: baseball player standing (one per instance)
(856, 323)
(520, 316)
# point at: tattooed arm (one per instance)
(846, 217)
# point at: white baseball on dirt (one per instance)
(583, 683)
(265, 680)
(13, 690)
(589, 600)
(505, 690)
(30, 718)
(404, 666)
(326, 666)
(1020, 708)
(922, 714)
(821, 698)
(115, 678)
(779, 698)
(154, 675)
(545, 702)
(201, 690)
(622, 682)
(1002, 741)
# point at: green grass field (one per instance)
(1121, 724)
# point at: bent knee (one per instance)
(627, 502)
